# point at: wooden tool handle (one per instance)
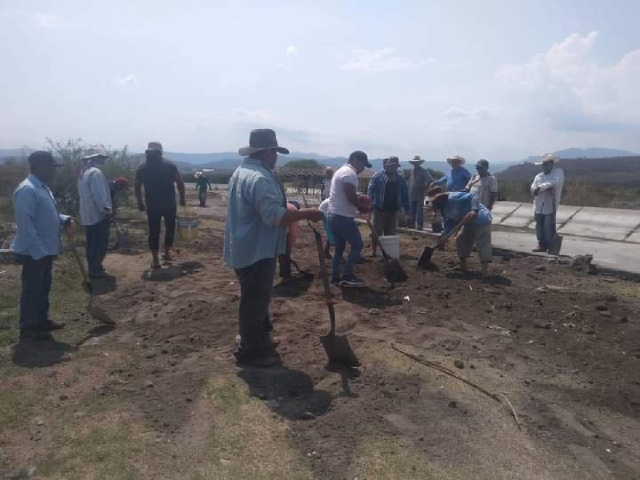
(377, 239)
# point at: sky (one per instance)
(492, 79)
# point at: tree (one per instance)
(303, 163)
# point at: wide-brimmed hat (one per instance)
(262, 139)
(547, 157)
(456, 157)
(392, 161)
(42, 157)
(93, 153)
(154, 147)
(416, 159)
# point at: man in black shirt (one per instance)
(158, 177)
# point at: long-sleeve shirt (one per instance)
(484, 187)
(455, 180)
(38, 220)
(256, 205)
(420, 178)
(95, 196)
(377, 188)
(550, 184)
(203, 183)
(457, 207)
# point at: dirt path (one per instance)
(565, 355)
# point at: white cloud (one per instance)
(456, 117)
(129, 79)
(571, 92)
(292, 50)
(380, 61)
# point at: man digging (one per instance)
(255, 234)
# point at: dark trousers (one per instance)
(202, 196)
(36, 285)
(417, 213)
(154, 218)
(285, 262)
(546, 230)
(256, 283)
(97, 245)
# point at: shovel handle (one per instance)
(375, 236)
(76, 255)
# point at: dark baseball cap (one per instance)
(42, 157)
(361, 157)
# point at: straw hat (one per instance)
(416, 159)
(547, 157)
(456, 157)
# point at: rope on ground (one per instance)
(446, 371)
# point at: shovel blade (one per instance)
(393, 271)
(339, 351)
(425, 259)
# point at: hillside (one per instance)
(593, 153)
(600, 171)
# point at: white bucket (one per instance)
(391, 245)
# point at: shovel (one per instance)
(425, 259)
(93, 310)
(335, 346)
(392, 269)
(122, 236)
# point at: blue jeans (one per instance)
(36, 285)
(417, 213)
(344, 229)
(546, 230)
(202, 196)
(97, 245)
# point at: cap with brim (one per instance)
(93, 153)
(262, 139)
(361, 157)
(393, 161)
(416, 159)
(42, 157)
(456, 157)
(154, 147)
(548, 157)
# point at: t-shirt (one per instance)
(339, 204)
(158, 178)
(390, 203)
(483, 187)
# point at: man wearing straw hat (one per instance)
(255, 234)
(96, 210)
(159, 177)
(418, 182)
(547, 192)
(457, 178)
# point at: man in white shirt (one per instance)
(95, 210)
(484, 184)
(547, 191)
(344, 204)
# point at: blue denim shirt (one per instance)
(256, 204)
(38, 220)
(461, 203)
(377, 187)
(455, 180)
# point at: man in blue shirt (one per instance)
(389, 193)
(36, 244)
(457, 179)
(255, 234)
(456, 207)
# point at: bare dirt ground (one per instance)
(160, 396)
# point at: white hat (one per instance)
(456, 157)
(91, 153)
(547, 157)
(416, 159)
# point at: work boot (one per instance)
(539, 249)
(53, 325)
(35, 335)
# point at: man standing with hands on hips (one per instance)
(37, 243)
(255, 234)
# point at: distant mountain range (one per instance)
(230, 160)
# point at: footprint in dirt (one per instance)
(171, 272)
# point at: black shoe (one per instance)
(35, 335)
(351, 281)
(53, 325)
(96, 276)
(258, 361)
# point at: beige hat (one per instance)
(456, 157)
(547, 157)
(154, 147)
(93, 153)
(416, 159)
